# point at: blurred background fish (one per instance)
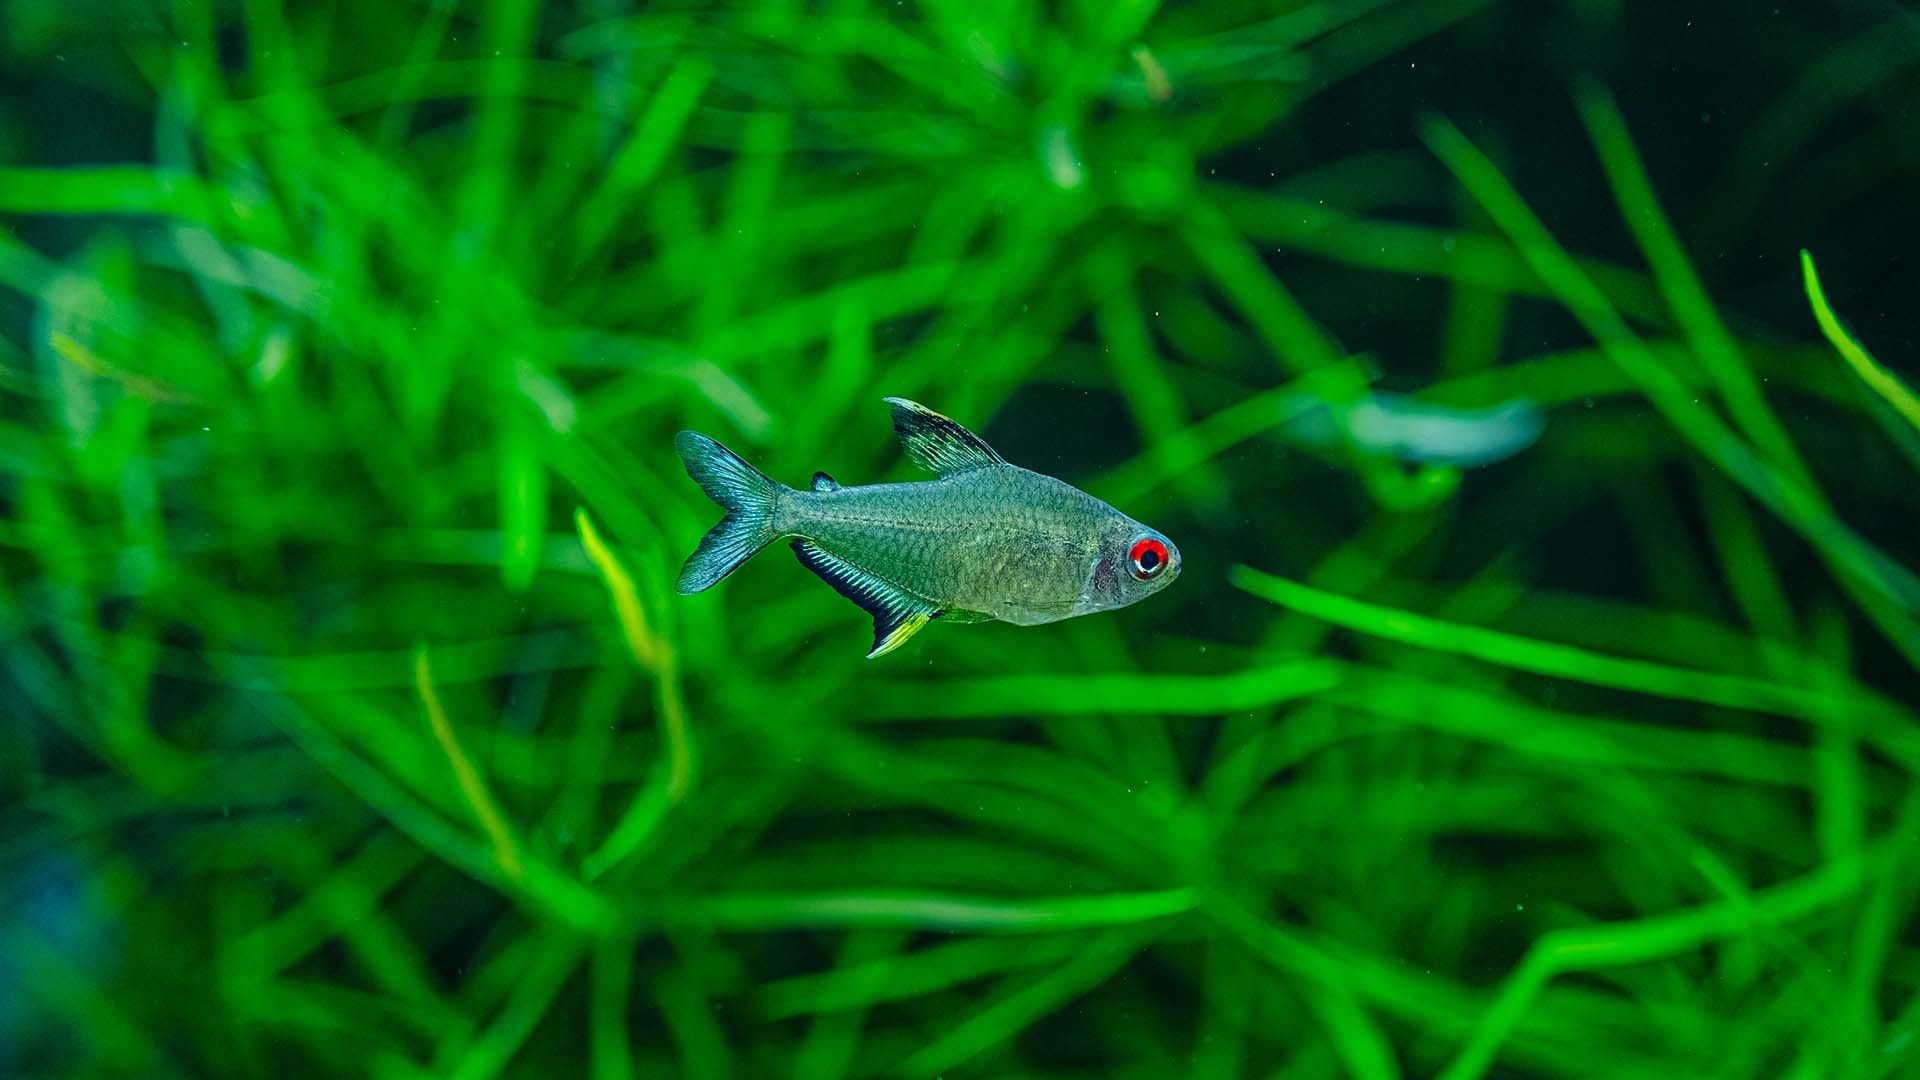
(1418, 432)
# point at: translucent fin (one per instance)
(748, 497)
(823, 482)
(897, 614)
(937, 443)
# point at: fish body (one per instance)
(1004, 542)
(984, 540)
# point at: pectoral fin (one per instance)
(937, 443)
(897, 614)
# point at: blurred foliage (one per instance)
(350, 725)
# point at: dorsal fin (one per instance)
(897, 614)
(823, 482)
(936, 443)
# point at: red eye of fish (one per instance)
(1147, 557)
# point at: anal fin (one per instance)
(897, 614)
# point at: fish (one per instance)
(1419, 432)
(983, 540)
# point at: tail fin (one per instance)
(747, 495)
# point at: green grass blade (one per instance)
(834, 1036)
(1692, 308)
(1118, 694)
(658, 131)
(610, 1055)
(1619, 944)
(1886, 720)
(1889, 592)
(1020, 1005)
(1879, 379)
(923, 971)
(767, 911)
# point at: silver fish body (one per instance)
(1006, 542)
(984, 540)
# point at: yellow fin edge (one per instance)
(908, 627)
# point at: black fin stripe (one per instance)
(939, 443)
(892, 608)
(872, 593)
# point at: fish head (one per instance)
(1133, 563)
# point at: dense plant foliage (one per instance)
(349, 725)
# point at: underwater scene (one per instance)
(1057, 539)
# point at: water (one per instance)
(1536, 699)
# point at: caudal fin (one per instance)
(747, 495)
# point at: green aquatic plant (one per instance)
(1882, 381)
(350, 724)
